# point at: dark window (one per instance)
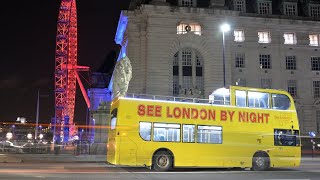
(198, 71)
(292, 88)
(265, 61)
(187, 70)
(240, 60)
(315, 63)
(316, 89)
(280, 101)
(176, 70)
(286, 137)
(291, 63)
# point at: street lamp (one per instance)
(40, 136)
(9, 135)
(224, 28)
(29, 136)
(81, 132)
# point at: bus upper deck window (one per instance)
(258, 99)
(220, 96)
(241, 98)
(280, 101)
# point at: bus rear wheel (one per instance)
(260, 162)
(162, 161)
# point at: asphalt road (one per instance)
(310, 169)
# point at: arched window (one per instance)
(187, 73)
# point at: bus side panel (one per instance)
(285, 157)
(126, 131)
(128, 149)
(186, 154)
(239, 146)
(144, 153)
(112, 149)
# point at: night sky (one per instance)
(28, 35)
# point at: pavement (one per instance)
(45, 158)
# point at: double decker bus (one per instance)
(236, 127)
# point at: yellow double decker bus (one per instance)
(236, 127)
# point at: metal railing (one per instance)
(176, 99)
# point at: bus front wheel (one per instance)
(162, 161)
(260, 162)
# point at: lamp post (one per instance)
(37, 115)
(224, 28)
(13, 126)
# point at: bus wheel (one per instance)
(260, 162)
(162, 161)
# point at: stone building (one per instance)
(175, 48)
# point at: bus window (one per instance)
(145, 130)
(241, 98)
(220, 96)
(280, 101)
(258, 100)
(188, 133)
(209, 134)
(113, 123)
(166, 132)
(113, 120)
(285, 137)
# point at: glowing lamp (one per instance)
(9, 135)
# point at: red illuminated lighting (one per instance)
(66, 64)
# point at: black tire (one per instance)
(260, 162)
(162, 161)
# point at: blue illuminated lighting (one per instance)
(110, 84)
(122, 26)
(96, 97)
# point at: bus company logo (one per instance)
(201, 113)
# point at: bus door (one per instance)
(127, 147)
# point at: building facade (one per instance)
(176, 48)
